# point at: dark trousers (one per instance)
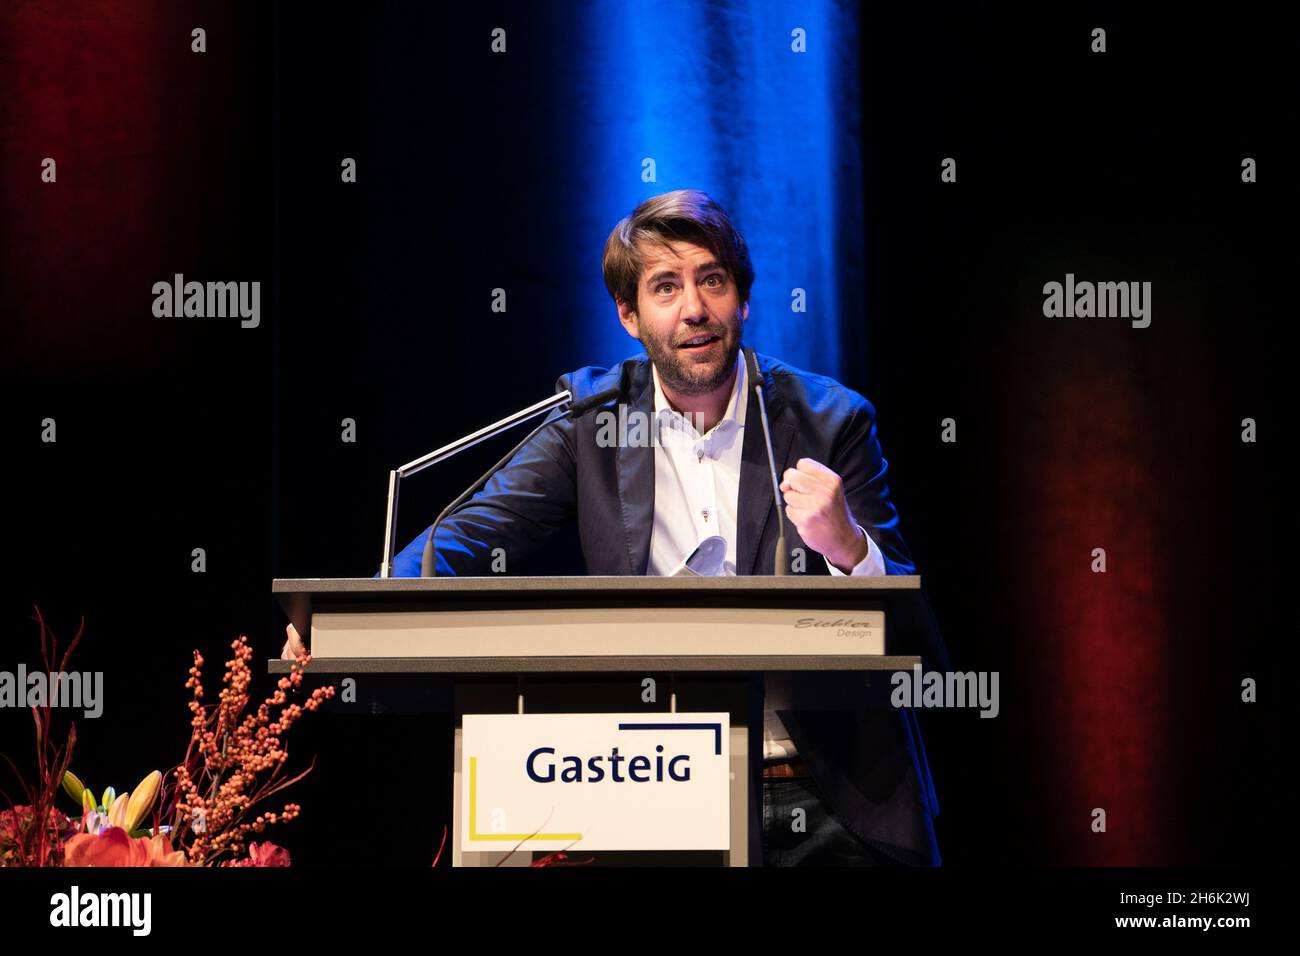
(811, 838)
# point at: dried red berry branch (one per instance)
(235, 761)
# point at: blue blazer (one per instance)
(870, 764)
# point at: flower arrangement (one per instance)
(202, 812)
(213, 799)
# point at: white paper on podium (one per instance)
(705, 561)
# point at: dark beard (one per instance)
(673, 374)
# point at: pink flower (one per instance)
(263, 854)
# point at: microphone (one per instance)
(580, 408)
(428, 567)
(781, 564)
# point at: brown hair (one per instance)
(685, 214)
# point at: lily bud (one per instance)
(72, 786)
(117, 812)
(142, 798)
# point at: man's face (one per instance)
(688, 315)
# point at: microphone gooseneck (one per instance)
(781, 560)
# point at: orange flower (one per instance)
(112, 847)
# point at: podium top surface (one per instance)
(749, 584)
(302, 598)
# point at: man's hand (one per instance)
(816, 506)
(293, 647)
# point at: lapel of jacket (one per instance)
(636, 475)
(755, 507)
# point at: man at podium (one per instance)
(680, 275)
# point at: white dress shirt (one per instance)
(697, 486)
